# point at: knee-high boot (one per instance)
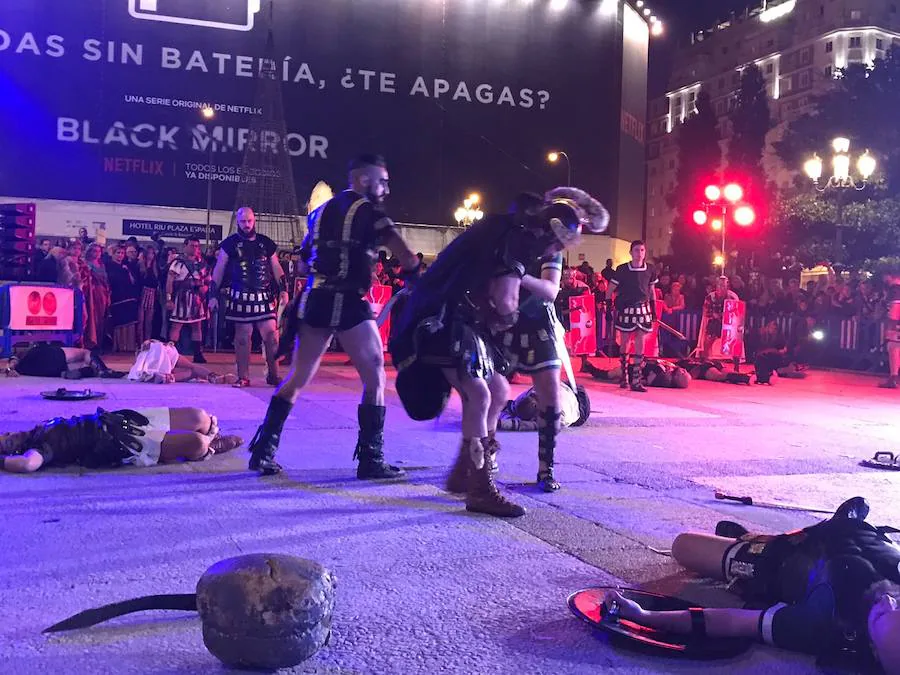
(265, 443)
(370, 445)
(198, 351)
(547, 448)
(482, 495)
(623, 362)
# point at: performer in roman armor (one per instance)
(713, 313)
(449, 332)
(892, 328)
(186, 287)
(533, 347)
(339, 253)
(634, 293)
(71, 363)
(254, 273)
(829, 588)
(116, 438)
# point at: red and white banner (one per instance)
(732, 339)
(41, 308)
(378, 297)
(581, 338)
(730, 343)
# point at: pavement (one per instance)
(423, 586)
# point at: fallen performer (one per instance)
(160, 363)
(116, 438)
(829, 588)
(655, 373)
(703, 369)
(523, 413)
(72, 363)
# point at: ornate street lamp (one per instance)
(469, 213)
(840, 180)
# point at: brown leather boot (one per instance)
(458, 479)
(483, 496)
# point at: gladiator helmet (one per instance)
(569, 211)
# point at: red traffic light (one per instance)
(733, 192)
(744, 215)
(700, 217)
(713, 193)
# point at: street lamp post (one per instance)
(469, 212)
(208, 114)
(840, 180)
(719, 204)
(553, 158)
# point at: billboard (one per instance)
(102, 98)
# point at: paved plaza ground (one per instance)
(423, 586)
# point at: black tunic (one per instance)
(250, 262)
(342, 240)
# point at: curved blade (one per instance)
(186, 602)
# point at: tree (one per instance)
(699, 160)
(860, 106)
(751, 121)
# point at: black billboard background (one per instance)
(439, 150)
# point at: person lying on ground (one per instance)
(829, 588)
(655, 373)
(116, 438)
(72, 363)
(160, 362)
(522, 414)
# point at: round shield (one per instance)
(588, 606)
(63, 394)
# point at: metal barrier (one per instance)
(852, 343)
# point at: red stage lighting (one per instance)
(716, 224)
(713, 193)
(700, 217)
(733, 192)
(744, 215)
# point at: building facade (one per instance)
(799, 45)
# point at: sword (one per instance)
(186, 602)
(667, 327)
(563, 351)
(389, 305)
(749, 501)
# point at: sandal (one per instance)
(222, 444)
(883, 460)
(213, 427)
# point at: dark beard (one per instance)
(247, 236)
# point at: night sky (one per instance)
(680, 18)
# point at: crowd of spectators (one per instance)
(826, 297)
